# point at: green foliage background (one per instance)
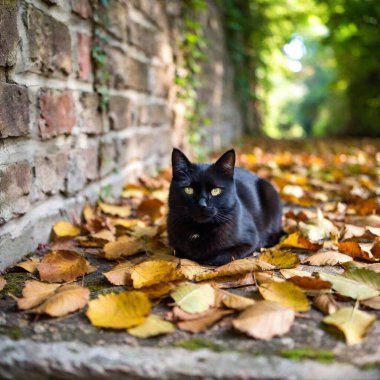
(337, 91)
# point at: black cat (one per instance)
(218, 213)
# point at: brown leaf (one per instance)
(356, 249)
(120, 274)
(30, 265)
(232, 301)
(236, 281)
(58, 266)
(125, 246)
(310, 283)
(159, 290)
(325, 303)
(203, 323)
(296, 240)
(264, 320)
(3, 282)
(373, 303)
(327, 258)
(103, 235)
(150, 207)
(64, 244)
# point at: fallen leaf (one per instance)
(194, 298)
(3, 282)
(355, 264)
(232, 301)
(264, 277)
(104, 235)
(30, 265)
(134, 191)
(352, 322)
(264, 320)
(325, 303)
(119, 311)
(63, 229)
(203, 323)
(67, 243)
(364, 276)
(34, 293)
(351, 231)
(152, 326)
(373, 303)
(124, 246)
(160, 290)
(145, 232)
(240, 267)
(150, 207)
(327, 258)
(153, 272)
(115, 210)
(319, 228)
(310, 283)
(236, 281)
(120, 274)
(286, 294)
(375, 249)
(287, 273)
(356, 249)
(280, 259)
(296, 240)
(65, 300)
(58, 266)
(348, 287)
(88, 213)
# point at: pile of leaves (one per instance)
(329, 260)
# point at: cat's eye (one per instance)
(216, 191)
(188, 190)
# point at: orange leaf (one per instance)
(296, 240)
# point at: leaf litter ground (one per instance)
(318, 289)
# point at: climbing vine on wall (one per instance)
(192, 46)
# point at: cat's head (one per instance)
(202, 192)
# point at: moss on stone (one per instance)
(14, 333)
(369, 366)
(15, 283)
(308, 353)
(97, 284)
(199, 343)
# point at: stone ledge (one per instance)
(75, 360)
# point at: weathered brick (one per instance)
(121, 114)
(84, 56)
(57, 113)
(14, 110)
(15, 184)
(8, 32)
(82, 8)
(107, 160)
(134, 148)
(49, 43)
(137, 74)
(50, 172)
(83, 166)
(142, 37)
(113, 15)
(153, 114)
(161, 80)
(90, 117)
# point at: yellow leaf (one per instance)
(232, 301)
(29, 265)
(153, 326)
(104, 235)
(296, 240)
(66, 299)
(123, 247)
(280, 259)
(88, 213)
(63, 228)
(159, 290)
(120, 274)
(264, 320)
(327, 258)
(34, 293)
(119, 311)
(194, 298)
(58, 266)
(153, 272)
(114, 210)
(286, 294)
(352, 322)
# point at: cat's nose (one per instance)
(202, 203)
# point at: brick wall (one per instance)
(87, 99)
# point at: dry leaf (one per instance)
(153, 272)
(285, 293)
(150, 207)
(204, 322)
(325, 303)
(280, 259)
(194, 298)
(287, 273)
(120, 274)
(236, 281)
(114, 210)
(263, 277)
(3, 282)
(153, 326)
(159, 290)
(310, 283)
(63, 229)
(119, 311)
(356, 249)
(104, 235)
(232, 301)
(296, 240)
(352, 322)
(364, 276)
(65, 300)
(88, 213)
(327, 258)
(125, 246)
(264, 320)
(64, 244)
(30, 265)
(58, 266)
(34, 293)
(373, 303)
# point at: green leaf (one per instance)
(364, 276)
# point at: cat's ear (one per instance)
(226, 163)
(180, 162)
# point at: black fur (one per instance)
(214, 230)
